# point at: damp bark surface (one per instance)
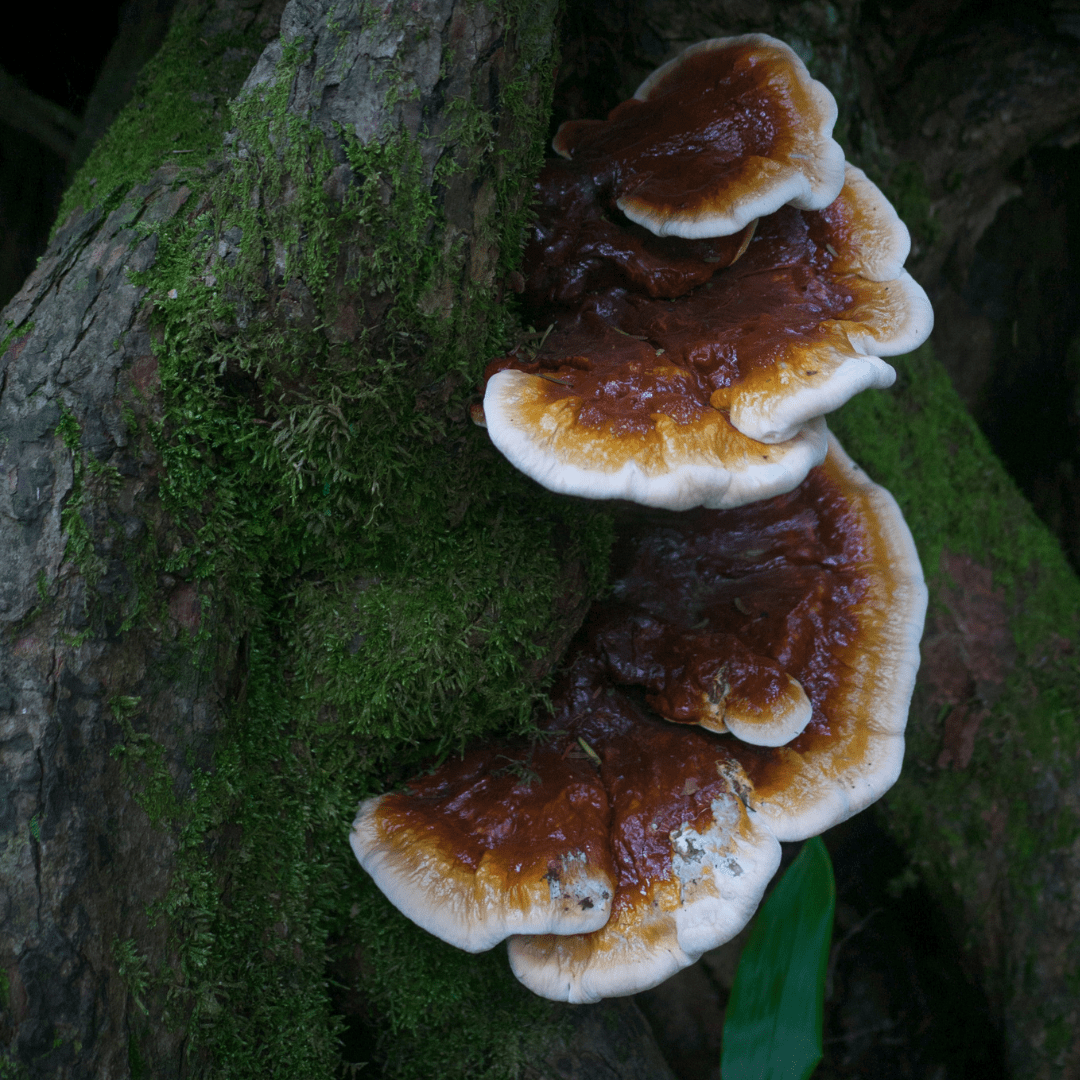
(119, 670)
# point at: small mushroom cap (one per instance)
(664, 463)
(491, 846)
(728, 131)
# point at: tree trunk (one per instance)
(256, 560)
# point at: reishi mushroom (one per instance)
(748, 680)
(641, 843)
(714, 397)
(686, 372)
(728, 131)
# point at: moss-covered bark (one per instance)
(987, 805)
(265, 541)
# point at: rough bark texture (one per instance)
(118, 668)
(80, 862)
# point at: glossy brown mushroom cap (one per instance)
(851, 753)
(702, 677)
(621, 846)
(692, 459)
(507, 840)
(730, 130)
(693, 861)
(825, 581)
(667, 400)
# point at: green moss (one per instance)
(92, 483)
(131, 967)
(905, 185)
(12, 1070)
(999, 819)
(11, 332)
(177, 113)
(956, 496)
(393, 581)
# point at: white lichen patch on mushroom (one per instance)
(715, 882)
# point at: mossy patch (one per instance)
(177, 112)
(956, 496)
(395, 584)
(1003, 817)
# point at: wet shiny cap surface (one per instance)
(634, 808)
(731, 129)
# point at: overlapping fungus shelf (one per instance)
(488, 846)
(822, 584)
(628, 356)
(577, 246)
(776, 584)
(618, 846)
(777, 326)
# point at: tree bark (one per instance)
(123, 662)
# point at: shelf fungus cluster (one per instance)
(715, 279)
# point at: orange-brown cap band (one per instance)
(510, 839)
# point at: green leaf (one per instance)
(772, 1028)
